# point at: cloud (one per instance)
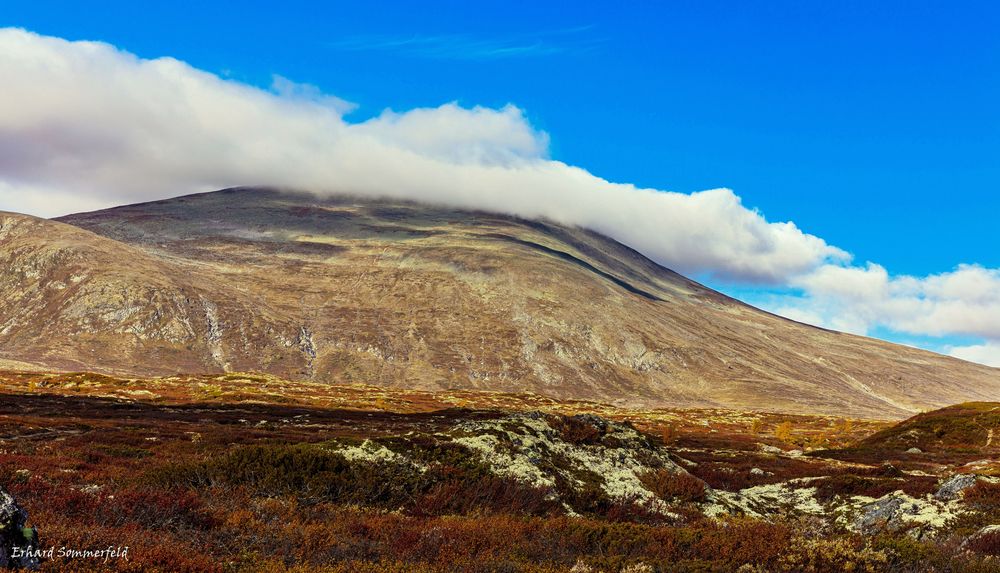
(965, 301)
(23, 198)
(468, 47)
(85, 124)
(288, 89)
(460, 136)
(988, 354)
(961, 302)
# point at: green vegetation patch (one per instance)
(440, 478)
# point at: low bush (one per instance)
(833, 556)
(725, 476)
(985, 543)
(846, 485)
(674, 486)
(984, 496)
(908, 554)
(313, 474)
(577, 430)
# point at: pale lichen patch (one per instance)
(370, 452)
(524, 447)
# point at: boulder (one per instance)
(898, 512)
(953, 487)
(883, 515)
(18, 543)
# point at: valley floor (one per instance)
(254, 473)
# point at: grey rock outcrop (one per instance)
(953, 487)
(18, 543)
(882, 515)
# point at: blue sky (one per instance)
(874, 127)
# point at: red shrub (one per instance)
(673, 485)
(986, 543)
(170, 509)
(984, 496)
(744, 541)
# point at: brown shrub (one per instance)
(636, 511)
(849, 485)
(487, 493)
(741, 542)
(832, 556)
(668, 434)
(673, 485)
(578, 430)
(986, 543)
(724, 476)
(161, 509)
(983, 496)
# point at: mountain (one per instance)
(400, 294)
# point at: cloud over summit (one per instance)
(87, 122)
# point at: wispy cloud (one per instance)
(469, 47)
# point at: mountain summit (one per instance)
(400, 294)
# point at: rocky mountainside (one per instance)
(405, 295)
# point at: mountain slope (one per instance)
(70, 299)
(397, 294)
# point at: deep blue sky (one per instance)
(874, 127)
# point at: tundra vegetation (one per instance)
(244, 472)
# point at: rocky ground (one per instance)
(244, 472)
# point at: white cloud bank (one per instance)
(84, 125)
(965, 302)
(988, 354)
